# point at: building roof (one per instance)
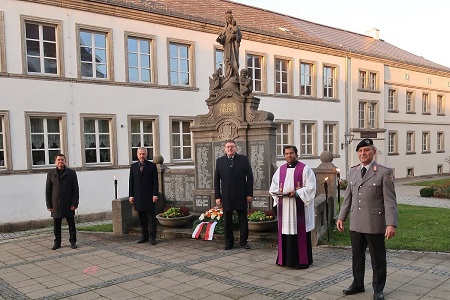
(260, 21)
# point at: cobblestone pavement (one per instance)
(106, 266)
(410, 194)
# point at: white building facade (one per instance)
(96, 80)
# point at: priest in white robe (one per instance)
(293, 189)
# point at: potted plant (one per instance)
(174, 217)
(261, 221)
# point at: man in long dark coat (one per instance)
(143, 192)
(233, 186)
(62, 197)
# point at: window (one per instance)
(329, 84)
(2, 142)
(410, 172)
(181, 63)
(368, 80)
(392, 142)
(143, 134)
(307, 131)
(425, 103)
(218, 60)
(440, 105)
(94, 53)
(440, 142)
(140, 58)
(282, 76)
(307, 82)
(41, 46)
(181, 140)
(440, 169)
(410, 102)
(362, 80)
(5, 146)
(98, 142)
(255, 64)
(410, 142)
(368, 115)
(373, 85)
(329, 138)
(392, 100)
(2, 44)
(46, 137)
(283, 136)
(425, 142)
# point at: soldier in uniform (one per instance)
(370, 199)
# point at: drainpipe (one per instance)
(347, 111)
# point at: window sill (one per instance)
(411, 153)
(368, 91)
(411, 112)
(426, 152)
(440, 151)
(426, 113)
(393, 154)
(393, 110)
(440, 114)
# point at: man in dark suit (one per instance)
(370, 199)
(143, 193)
(233, 186)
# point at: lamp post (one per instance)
(115, 187)
(325, 185)
(338, 175)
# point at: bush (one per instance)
(427, 192)
(343, 184)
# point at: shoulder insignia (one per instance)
(391, 177)
(381, 166)
(355, 166)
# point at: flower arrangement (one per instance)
(260, 216)
(214, 214)
(175, 212)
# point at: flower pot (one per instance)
(262, 226)
(173, 222)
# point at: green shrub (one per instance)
(427, 192)
(343, 184)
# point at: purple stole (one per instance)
(301, 224)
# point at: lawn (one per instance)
(97, 228)
(419, 228)
(430, 182)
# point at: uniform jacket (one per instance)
(62, 192)
(371, 200)
(143, 186)
(234, 184)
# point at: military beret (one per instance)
(364, 143)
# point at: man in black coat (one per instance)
(143, 192)
(233, 186)
(62, 197)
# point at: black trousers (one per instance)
(148, 230)
(72, 230)
(243, 226)
(290, 250)
(377, 251)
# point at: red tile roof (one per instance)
(256, 20)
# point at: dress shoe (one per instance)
(228, 247)
(142, 240)
(56, 246)
(302, 266)
(378, 295)
(245, 246)
(152, 242)
(73, 245)
(353, 290)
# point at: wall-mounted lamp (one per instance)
(348, 139)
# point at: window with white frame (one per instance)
(306, 79)
(283, 136)
(2, 143)
(440, 141)
(94, 48)
(97, 140)
(140, 60)
(218, 60)
(46, 133)
(329, 137)
(410, 172)
(425, 141)
(181, 140)
(282, 76)
(410, 102)
(362, 82)
(392, 142)
(329, 82)
(255, 71)
(440, 105)
(373, 81)
(367, 80)
(41, 46)
(367, 114)
(181, 63)
(142, 135)
(307, 133)
(425, 103)
(410, 142)
(440, 169)
(392, 100)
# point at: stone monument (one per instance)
(233, 114)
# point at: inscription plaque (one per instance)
(179, 189)
(204, 165)
(202, 202)
(261, 203)
(259, 160)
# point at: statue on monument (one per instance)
(230, 38)
(215, 82)
(245, 82)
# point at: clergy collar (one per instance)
(293, 164)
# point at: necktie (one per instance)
(141, 167)
(230, 162)
(363, 171)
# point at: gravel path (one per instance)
(409, 194)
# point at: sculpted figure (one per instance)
(215, 82)
(230, 39)
(245, 82)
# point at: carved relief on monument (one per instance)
(228, 130)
